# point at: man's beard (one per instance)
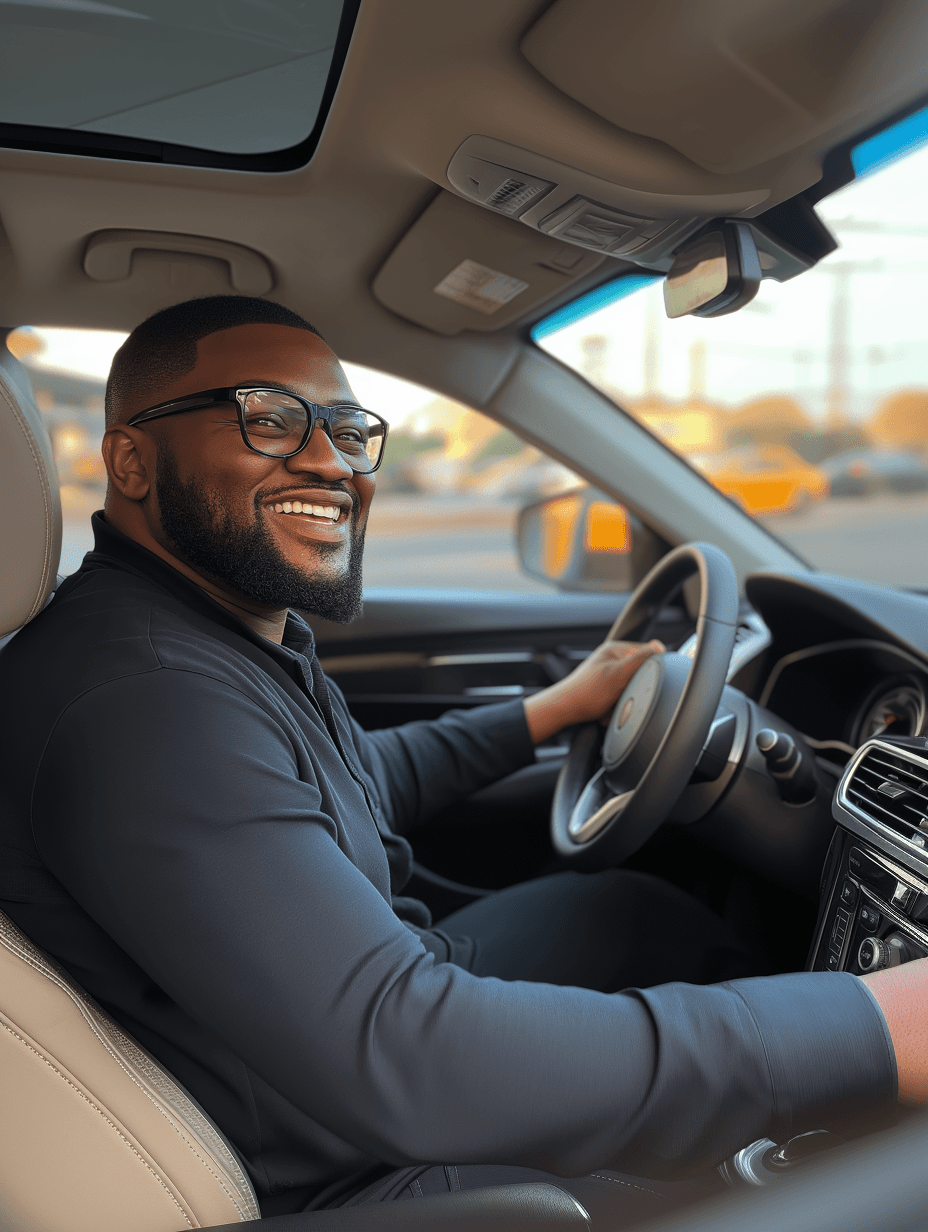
(246, 558)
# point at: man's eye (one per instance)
(267, 422)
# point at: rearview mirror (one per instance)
(584, 541)
(716, 273)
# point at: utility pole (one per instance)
(652, 341)
(595, 349)
(839, 323)
(839, 337)
(698, 356)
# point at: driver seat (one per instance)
(94, 1135)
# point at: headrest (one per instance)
(30, 506)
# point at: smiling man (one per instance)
(198, 831)
(273, 525)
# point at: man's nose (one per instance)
(320, 457)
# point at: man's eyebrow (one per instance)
(290, 389)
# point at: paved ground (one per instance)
(416, 541)
(879, 538)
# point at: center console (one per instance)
(875, 881)
(874, 901)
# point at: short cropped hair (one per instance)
(164, 347)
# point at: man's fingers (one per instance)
(626, 662)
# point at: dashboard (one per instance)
(831, 664)
(844, 662)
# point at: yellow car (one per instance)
(764, 479)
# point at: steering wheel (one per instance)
(618, 785)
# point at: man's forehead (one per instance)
(279, 354)
(278, 343)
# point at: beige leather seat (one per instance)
(94, 1135)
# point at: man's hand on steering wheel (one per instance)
(591, 690)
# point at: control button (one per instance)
(848, 893)
(903, 896)
(839, 929)
(832, 962)
(873, 955)
(869, 918)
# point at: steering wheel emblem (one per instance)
(626, 712)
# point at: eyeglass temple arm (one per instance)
(175, 408)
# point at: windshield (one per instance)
(235, 78)
(809, 407)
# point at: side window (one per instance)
(448, 500)
(461, 503)
(68, 371)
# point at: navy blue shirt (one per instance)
(194, 826)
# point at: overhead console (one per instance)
(583, 209)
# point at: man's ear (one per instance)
(129, 456)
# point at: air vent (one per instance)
(892, 788)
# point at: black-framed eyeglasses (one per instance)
(278, 424)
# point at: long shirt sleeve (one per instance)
(426, 766)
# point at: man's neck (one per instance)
(269, 622)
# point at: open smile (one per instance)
(323, 513)
(319, 508)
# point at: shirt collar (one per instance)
(113, 549)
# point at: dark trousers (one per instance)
(606, 931)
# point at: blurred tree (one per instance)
(817, 447)
(503, 444)
(402, 444)
(770, 420)
(395, 474)
(901, 420)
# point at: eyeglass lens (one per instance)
(275, 424)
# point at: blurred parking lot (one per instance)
(879, 538)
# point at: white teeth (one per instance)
(332, 512)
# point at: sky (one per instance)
(778, 343)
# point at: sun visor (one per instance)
(460, 267)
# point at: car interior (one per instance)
(428, 184)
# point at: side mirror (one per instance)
(715, 273)
(584, 541)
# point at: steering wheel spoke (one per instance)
(597, 806)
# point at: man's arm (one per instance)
(424, 767)
(902, 995)
(170, 806)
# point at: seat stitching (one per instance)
(48, 973)
(628, 1184)
(98, 1109)
(118, 1059)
